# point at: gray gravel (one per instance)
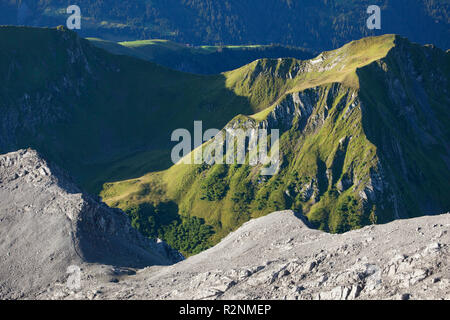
(47, 225)
(279, 257)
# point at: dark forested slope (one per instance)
(316, 24)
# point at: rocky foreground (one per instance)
(47, 225)
(279, 257)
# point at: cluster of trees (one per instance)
(338, 214)
(189, 235)
(215, 186)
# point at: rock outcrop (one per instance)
(47, 225)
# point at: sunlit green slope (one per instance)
(364, 140)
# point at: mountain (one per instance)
(48, 225)
(279, 257)
(202, 59)
(316, 24)
(358, 126)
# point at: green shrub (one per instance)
(189, 235)
(215, 186)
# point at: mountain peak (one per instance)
(339, 65)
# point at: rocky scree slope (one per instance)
(47, 224)
(279, 257)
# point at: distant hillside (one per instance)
(200, 60)
(316, 24)
(105, 117)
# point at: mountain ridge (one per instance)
(201, 59)
(329, 139)
(279, 256)
(344, 142)
(316, 24)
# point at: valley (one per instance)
(200, 59)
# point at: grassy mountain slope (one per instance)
(202, 59)
(103, 117)
(359, 125)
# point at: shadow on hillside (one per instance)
(405, 126)
(304, 219)
(114, 119)
(104, 235)
(148, 145)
